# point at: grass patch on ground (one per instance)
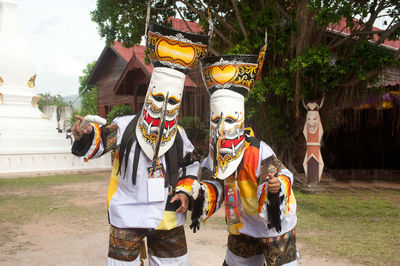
(33, 198)
(41, 181)
(19, 209)
(363, 226)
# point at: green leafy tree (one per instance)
(88, 92)
(304, 59)
(88, 95)
(196, 131)
(46, 99)
(119, 110)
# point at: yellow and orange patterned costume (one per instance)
(260, 224)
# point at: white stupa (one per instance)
(29, 143)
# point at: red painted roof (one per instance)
(138, 52)
(342, 28)
(126, 53)
(179, 24)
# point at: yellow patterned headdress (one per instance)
(173, 54)
(173, 48)
(234, 72)
(228, 79)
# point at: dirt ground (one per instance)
(61, 240)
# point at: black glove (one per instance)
(274, 213)
(197, 211)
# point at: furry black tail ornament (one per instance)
(197, 211)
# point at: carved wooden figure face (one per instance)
(312, 121)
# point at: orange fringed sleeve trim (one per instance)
(185, 185)
(98, 134)
(211, 199)
(286, 181)
(263, 198)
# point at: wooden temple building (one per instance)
(122, 77)
(365, 146)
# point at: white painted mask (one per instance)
(226, 132)
(312, 121)
(164, 82)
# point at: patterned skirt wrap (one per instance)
(277, 250)
(124, 243)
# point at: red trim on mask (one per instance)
(156, 121)
(227, 143)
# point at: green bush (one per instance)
(119, 110)
(196, 131)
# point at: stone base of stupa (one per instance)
(30, 143)
(31, 164)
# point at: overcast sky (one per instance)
(63, 39)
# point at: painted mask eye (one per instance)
(216, 120)
(230, 120)
(158, 97)
(173, 101)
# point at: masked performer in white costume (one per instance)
(243, 171)
(154, 167)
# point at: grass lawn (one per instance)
(363, 226)
(29, 199)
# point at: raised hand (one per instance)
(77, 131)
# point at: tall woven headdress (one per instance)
(173, 54)
(229, 79)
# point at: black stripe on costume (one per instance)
(81, 147)
(173, 160)
(172, 164)
(253, 141)
(126, 143)
(135, 162)
(172, 206)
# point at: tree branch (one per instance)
(239, 18)
(179, 12)
(284, 13)
(262, 4)
(374, 14)
(201, 14)
(221, 20)
(387, 33)
(353, 82)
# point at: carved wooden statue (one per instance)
(313, 163)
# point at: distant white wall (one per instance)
(59, 116)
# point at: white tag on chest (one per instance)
(155, 189)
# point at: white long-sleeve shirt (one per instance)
(129, 206)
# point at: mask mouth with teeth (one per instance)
(227, 136)
(230, 142)
(152, 115)
(228, 79)
(173, 53)
(165, 82)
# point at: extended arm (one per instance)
(275, 188)
(189, 164)
(209, 200)
(94, 140)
